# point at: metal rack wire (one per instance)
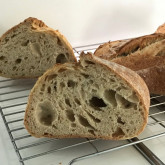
(13, 99)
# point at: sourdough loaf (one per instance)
(94, 98)
(30, 48)
(145, 55)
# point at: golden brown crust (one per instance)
(124, 54)
(29, 20)
(40, 26)
(129, 76)
(161, 29)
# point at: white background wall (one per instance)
(87, 21)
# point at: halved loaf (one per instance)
(145, 55)
(93, 98)
(30, 48)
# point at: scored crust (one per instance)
(130, 77)
(40, 26)
(138, 54)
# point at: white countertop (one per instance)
(86, 22)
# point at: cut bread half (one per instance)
(93, 98)
(30, 48)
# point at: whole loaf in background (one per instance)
(145, 55)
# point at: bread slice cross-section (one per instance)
(30, 48)
(94, 98)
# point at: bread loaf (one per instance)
(30, 48)
(145, 55)
(94, 98)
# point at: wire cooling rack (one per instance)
(30, 150)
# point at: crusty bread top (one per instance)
(33, 27)
(161, 29)
(129, 53)
(127, 46)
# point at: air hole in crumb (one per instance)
(70, 115)
(73, 124)
(2, 58)
(90, 81)
(26, 58)
(41, 93)
(43, 87)
(71, 83)
(18, 61)
(96, 86)
(120, 121)
(25, 43)
(61, 59)
(45, 113)
(89, 62)
(77, 101)
(32, 68)
(96, 120)
(112, 80)
(118, 133)
(85, 75)
(97, 102)
(94, 90)
(49, 90)
(13, 35)
(109, 96)
(59, 42)
(48, 135)
(6, 40)
(84, 122)
(5, 62)
(62, 84)
(54, 126)
(122, 102)
(131, 122)
(55, 86)
(67, 102)
(91, 132)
